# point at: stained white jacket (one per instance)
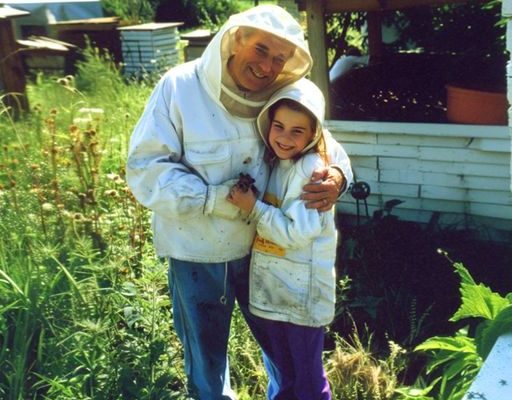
(292, 276)
(197, 132)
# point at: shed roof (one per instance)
(9, 12)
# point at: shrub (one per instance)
(208, 12)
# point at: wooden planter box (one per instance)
(471, 106)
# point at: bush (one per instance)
(131, 11)
(203, 12)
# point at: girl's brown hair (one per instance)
(320, 147)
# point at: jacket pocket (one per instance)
(199, 153)
(211, 160)
(279, 285)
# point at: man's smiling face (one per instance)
(259, 57)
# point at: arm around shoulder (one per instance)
(339, 160)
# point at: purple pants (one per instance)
(296, 352)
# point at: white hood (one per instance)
(304, 92)
(213, 69)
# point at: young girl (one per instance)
(292, 275)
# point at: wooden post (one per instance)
(316, 41)
(11, 67)
(375, 47)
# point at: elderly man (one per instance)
(196, 135)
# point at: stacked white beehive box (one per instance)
(149, 47)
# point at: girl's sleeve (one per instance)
(154, 173)
(292, 225)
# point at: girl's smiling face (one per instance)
(290, 132)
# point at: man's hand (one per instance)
(324, 189)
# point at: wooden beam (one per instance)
(316, 41)
(375, 46)
(335, 6)
(12, 73)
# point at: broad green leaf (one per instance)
(466, 362)
(478, 301)
(439, 359)
(412, 393)
(454, 344)
(465, 276)
(492, 330)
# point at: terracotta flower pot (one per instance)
(470, 106)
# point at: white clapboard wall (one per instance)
(462, 173)
(149, 47)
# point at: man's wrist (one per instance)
(343, 187)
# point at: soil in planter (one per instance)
(408, 87)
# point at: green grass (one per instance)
(85, 311)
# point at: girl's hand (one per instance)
(245, 200)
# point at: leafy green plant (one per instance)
(130, 11)
(213, 13)
(85, 312)
(454, 361)
(386, 260)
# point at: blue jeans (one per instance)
(203, 297)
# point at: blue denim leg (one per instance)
(201, 319)
(202, 322)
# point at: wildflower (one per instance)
(79, 217)
(82, 121)
(67, 214)
(73, 129)
(111, 193)
(85, 110)
(93, 147)
(47, 207)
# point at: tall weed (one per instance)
(84, 311)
